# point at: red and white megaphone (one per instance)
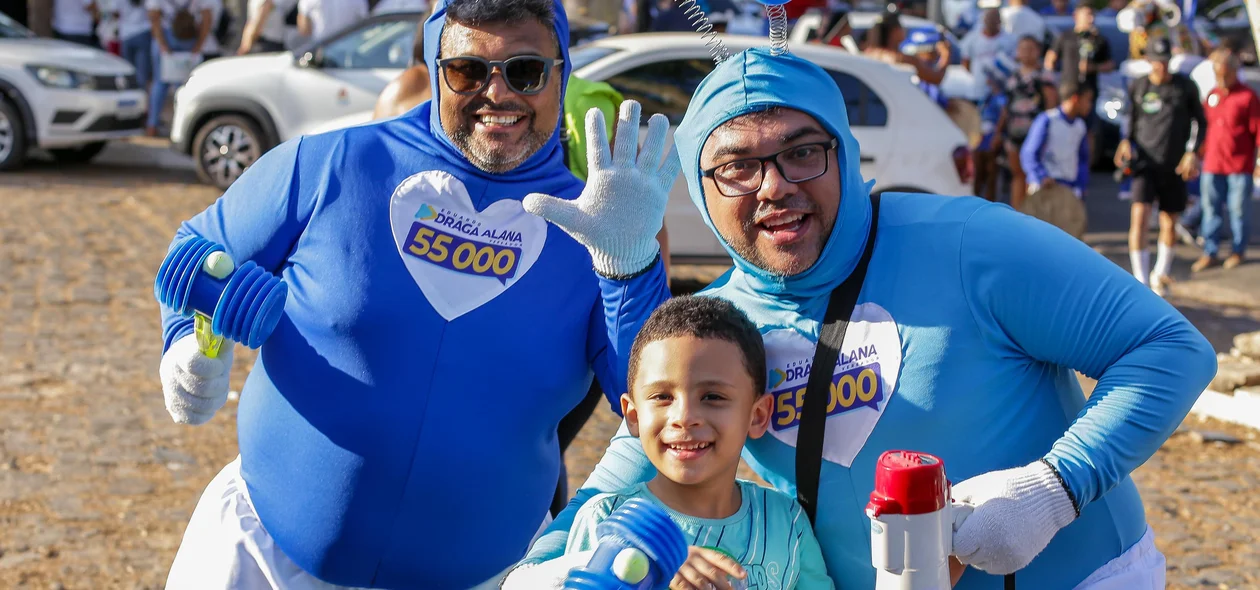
(912, 522)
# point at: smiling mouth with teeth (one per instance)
(493, 120)
(689, 446)
(782, 221)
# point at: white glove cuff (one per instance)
(546, 575)
(1050, 500)
(629, 262)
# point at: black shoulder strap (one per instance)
(809, 438)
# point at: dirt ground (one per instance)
(97, 483)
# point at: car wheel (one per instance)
(12, 137)
(224, 147)
(78, 155)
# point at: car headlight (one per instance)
(55, 77)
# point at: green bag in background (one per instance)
(580, 97)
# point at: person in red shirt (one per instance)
(1229, 158)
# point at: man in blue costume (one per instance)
(963, 341)
(398, 429)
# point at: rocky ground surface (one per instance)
(97, 483)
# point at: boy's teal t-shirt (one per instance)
(769, 535)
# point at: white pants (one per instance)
(1142, 567)
(226, 548)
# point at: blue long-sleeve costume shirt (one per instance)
(1057, 147)
(433, 337)
(970, 322)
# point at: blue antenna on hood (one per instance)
(777, 13)
(700, 21)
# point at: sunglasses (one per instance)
(524, 74)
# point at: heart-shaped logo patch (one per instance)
(862, 382)
(461, 258)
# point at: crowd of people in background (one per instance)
(1188, 116)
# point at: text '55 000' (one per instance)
(851, 389)
(461, 254)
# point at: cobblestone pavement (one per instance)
(97, 483)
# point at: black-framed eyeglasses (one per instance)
(798, 163)
(524, 74)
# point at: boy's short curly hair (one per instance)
(706, 318)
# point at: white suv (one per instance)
(234, 109)
(65, 98)
(908, 143)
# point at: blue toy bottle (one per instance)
(242, 304)
(640, 548)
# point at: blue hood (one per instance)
(546, 163)
(754, 80)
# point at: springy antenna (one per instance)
(700, 22)
(777, 14)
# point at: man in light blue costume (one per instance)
(398, 429)
(969, 324)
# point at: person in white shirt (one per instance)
(211, 49)
(1019, 21)
(317, 18)
(982, 46)
(73, 19)
(264, 29)
(177, 26)
(136, 38)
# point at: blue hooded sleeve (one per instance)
(624, 464)
(1030, 152)
(1082, 165)
(1045, 296)
(259, 218)
(627, 304)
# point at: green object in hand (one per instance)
(736, 583)
(207, 340)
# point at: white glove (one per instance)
(547, 575)
(195, 385)
(1017, 513)
(622, 208)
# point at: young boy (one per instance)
(697, 379)
(1057, 147)
(1029, 92)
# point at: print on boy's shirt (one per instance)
(769, 535)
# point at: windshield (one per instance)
(9, 29)
(1228, 10)
(587, 55)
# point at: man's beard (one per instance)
(497, 160)
(747, 249)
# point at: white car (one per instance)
(232, 110)
(65, 98)
(908, 143)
